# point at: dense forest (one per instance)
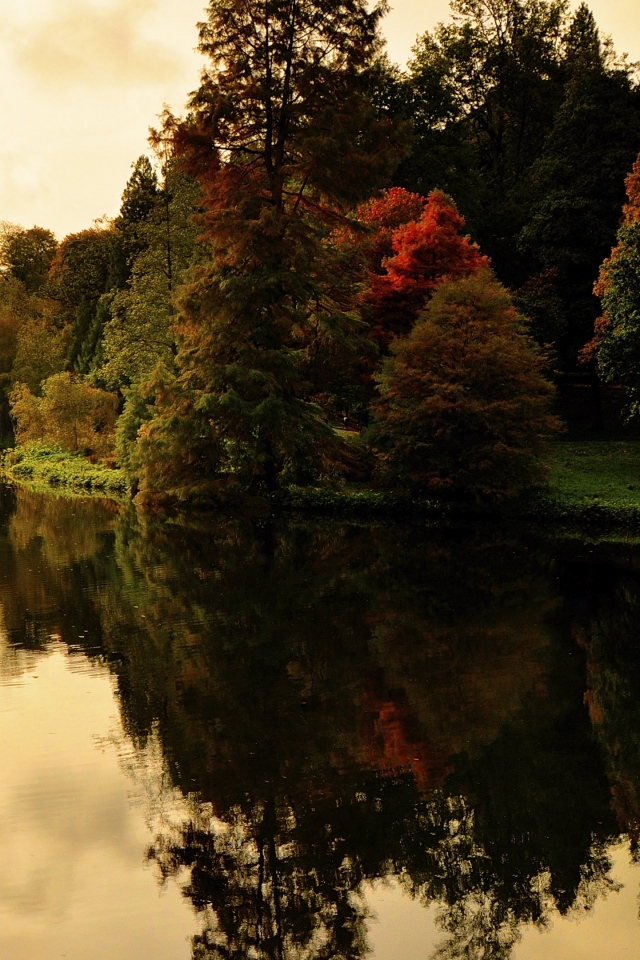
(331, 269)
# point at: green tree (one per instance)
(283, 137)
(26, 255)
(139, 333)
(84, 269)
(577, 184)
(464, 404)
(139, 199)
(616, 344)
(70, 414)
(482, 91)
(41, 350)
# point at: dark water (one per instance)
(242, 740)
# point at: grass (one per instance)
(603, 471)
(593, 482)
(52, 467)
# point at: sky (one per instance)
(82, 81)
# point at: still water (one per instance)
(245, 740)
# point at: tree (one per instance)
(84, 269)
(424, 253)
(41, 350)
(577, 183)
(26, 255)
(283, 138)
(482, 91)
(70, 414)
(464, 405)
(616, 344)
(139, 200)
(383, 215)
(139, 333)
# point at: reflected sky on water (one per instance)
(228, 738)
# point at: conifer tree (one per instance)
(283, 138)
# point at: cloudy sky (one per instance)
(82, 80)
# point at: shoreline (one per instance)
(589, 487)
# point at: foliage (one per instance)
(26, 255)
(616, 344)
(384, 214)
(578, 183)
(528, 119)
(41, 351)
(424, 253)
(282, 136)
(70, 414)
(464, 405)
(40, 464)
(139, 200)
(483, 90)
(138, 334)
(84, 269)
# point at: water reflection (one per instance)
(456, 710)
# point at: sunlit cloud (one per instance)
(77, 42)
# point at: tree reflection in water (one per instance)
(344, 703)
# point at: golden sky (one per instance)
(82, 81)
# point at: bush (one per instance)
(464, 404)
(70, 414)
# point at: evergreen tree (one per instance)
(283, 137)
(139, 199)
(138, 334)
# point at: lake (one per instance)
(255, 739)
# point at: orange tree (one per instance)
(464, 403)
(284, 138)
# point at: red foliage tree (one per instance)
(425, 252)
(392, 209)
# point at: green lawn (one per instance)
(598, 471)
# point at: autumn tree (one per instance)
(70, 414)
(383, 215)
(424, 253)
(464, 404)
(616, 344)
(283, 137)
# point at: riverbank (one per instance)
(47, 467)
(594, 482)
